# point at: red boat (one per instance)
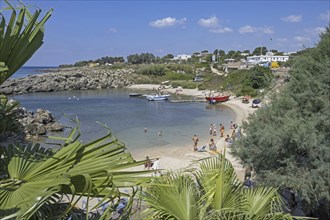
(219, 98)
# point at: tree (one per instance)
(246, 51)
(211, 191)
(20, 38)
(260, 51)
(259, 77)
(143, 58)
(292, 133)
(169, 56)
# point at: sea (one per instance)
(128, 117)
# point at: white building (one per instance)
(269, 57)
(182, 57)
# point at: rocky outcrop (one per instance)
(68, 79)
(37, 123)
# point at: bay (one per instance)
(127, 117)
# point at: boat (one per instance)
(218, 98)
(157, 97)
(134, 94)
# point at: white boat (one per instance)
(157, 97)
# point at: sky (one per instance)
(91, 29)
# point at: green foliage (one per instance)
(245, 82)
(177, 76)
(156, 70)
(8, 121)
(259, 77)
(20, 38)
(293, 133)
(33, 180)
(181, 68)
(210, 191)
(143, 58)
(260, 51)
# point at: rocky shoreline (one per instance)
(82, 78)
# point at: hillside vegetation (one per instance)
(287, 143)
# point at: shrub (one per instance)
(157, 70)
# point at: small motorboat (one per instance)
(218, 98)
(157, 97)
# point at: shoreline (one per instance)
(180, 157)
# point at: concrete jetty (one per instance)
(187, 100)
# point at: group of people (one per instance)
(153, 165)
(236, 133)
(160, 132)
(213, 129)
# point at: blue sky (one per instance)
(84, 30)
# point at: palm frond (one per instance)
(99, 168)
(173, 196)
(20, 38)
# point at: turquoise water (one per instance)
(127, 117)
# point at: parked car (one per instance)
(256, 103)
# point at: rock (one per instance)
(35, 129)
(54, 126)
(43, 117)
(68, 79)
(38, 123)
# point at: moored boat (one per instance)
(218, 98)
(157, 97)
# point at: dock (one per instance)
(187, 100)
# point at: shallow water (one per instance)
(127, 117)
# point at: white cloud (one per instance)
(209, 22)
(167, 22)
(292, 18)
(302, 39)
(325, 16)
(221, 30)
(249, 29)
(246, 29)
(267, 30)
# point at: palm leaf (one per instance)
(20, 38)
(99, 168)
(173, 196)
(219, 183)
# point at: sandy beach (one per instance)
(182, 156)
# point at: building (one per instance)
(182, 57)
(269, 57)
